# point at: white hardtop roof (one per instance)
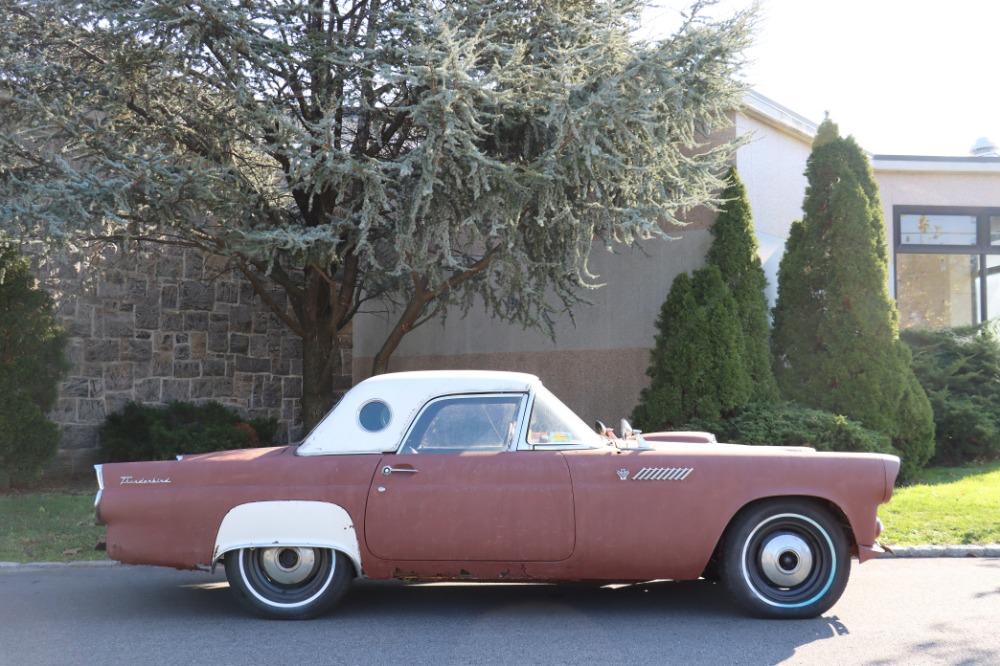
(405, 393)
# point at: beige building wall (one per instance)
(772, 166)
(597, 366)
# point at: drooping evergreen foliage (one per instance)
(835, 334)
(697, 368)
(959, 369)
(31, 365)
(734, 250)
(435, 154)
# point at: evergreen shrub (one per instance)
(789, 424)
(696, 369)
(735, 251)
(31, 364)
(711, 354)
(835, 338)
(959, 368)
(144, 432)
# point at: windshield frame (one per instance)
(583, 436)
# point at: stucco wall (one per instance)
(597, 366)
(929, 188)
(772, 167)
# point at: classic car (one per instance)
(487, 476)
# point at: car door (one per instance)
(456, 492)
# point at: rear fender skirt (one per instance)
(288, 523)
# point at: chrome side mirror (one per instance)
(628, 433)
(600, 429)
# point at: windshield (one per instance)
(553, 423)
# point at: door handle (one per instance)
(389, 469)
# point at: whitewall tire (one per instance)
(288, 583)
(785, 559)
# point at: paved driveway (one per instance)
(938, 611)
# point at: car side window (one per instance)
(552, 424)
(465, 423)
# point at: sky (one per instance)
(905, 77)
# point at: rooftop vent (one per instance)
(985, 147)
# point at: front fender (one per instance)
(288, 523)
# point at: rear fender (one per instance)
(288, 523)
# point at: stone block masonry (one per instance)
(165, 324)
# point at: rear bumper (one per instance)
(99, 470)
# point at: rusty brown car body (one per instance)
(485, 476)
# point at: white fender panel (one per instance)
(288, 523)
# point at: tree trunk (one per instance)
(406, 322)
(321, 370)
(324, 377)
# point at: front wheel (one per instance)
(785, 559)
(288, 583)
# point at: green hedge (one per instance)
(143, 432)
(788, 424)
(959, 368)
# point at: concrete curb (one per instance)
(87, 564)
(944, 551)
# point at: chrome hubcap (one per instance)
(786, 559)
(288, 566)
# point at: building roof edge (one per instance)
(766, 110)
(935, 163)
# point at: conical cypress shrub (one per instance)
(734, 250)
(696, 368)
(835, 336)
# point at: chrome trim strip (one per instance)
(662, 474)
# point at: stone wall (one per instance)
(167, 324)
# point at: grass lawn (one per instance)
(946, 506)
(54, 524)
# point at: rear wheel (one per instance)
(785, 559)
(288, 583)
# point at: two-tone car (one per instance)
(487, 476)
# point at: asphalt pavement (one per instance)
(895, 611)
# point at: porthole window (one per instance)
(375, 416)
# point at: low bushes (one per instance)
(959, 369)
(142, 432)
(788, 424)
(28, 440)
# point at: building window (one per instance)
(947, 265)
